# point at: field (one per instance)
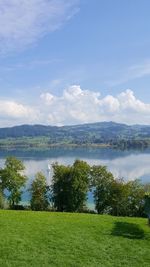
(61, 239)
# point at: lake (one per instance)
(127, 164)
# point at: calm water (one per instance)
(127, 164)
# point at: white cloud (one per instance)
(76, 106)
(23, 22)
(81, 106)
(12, 113)
(47, 97)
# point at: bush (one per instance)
(18, 207)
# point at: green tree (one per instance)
(70, 186)
(135, 198)
(13, 179)
(79, 177)
(119, 198)
(147, 206)
(60, 188)
(115, 196)
(102, 181)
(39, 193)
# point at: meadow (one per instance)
(30, 238)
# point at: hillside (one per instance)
(108, 133)
(77, 240)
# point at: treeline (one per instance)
(130, 144)
(69, 188)
(104, 133)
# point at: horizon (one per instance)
(75, 125)
(70, 62)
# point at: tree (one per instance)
(119, 197)
(39, 193)
(102, 181)
(13, 179)
(135, 198)
(79, 177)
(115, 196)
(70, 186)
(60, 188)
(147, 206)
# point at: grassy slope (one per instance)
(54, 239)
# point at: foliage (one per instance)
(70, 186)
(13, 179)
(135, 198)
(102, 182)
(127, 198)
(1, 200)
(131, 143)
(61, 187)
(39, 193)
(147, 206)
(119, 198)
(115, 196)
(147, 188)
(79, 177)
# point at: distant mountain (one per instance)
(91, 133)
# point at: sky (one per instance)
(65, 62)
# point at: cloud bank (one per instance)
(12, 113)
(76, 106)
(82, 106)
(23, 22)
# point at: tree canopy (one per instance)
(39, 193)
(13, 179)
(147, 206)
(70, 186)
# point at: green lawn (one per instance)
(61, 239)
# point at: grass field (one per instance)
(55, 239)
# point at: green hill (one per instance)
(102, 133)
(64, 240)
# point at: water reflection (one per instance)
(127, 164)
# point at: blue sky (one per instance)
(74, 61)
